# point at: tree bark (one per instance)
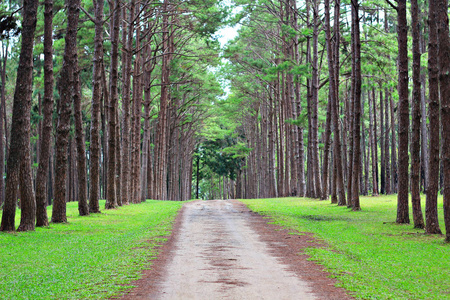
(127, 55)
(350, 128)
(66, 90)
(332, 86)
(356, 109)
(104, 100)
(375, 140)
(393, 148)
(444, 82)
(136, 122)
(373, 146)
(386, 144)
(431, 212)
(19, 160)
(45, 137)
(326, 155)
(111, 201)
(315, 103)
(382, 136)
(416, 118)
(403, 115)
(161, 146)
(335, 110)
(364, 184)
(118, 167)
(94, 170)
(3, 121)
(83, 207)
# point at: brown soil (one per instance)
(222, 250)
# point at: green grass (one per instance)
(366, 251)
(91, 257)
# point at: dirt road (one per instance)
(218, 253)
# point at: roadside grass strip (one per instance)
(91, 257)
(368, 253)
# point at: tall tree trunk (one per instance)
(83, 207)
(19, 160)
(145, 143)
(431, 212)
(136, 122)
(315, 102)
(393, 147)
(45, 137)
(444, 82)
(332, 89)
(111, 201)
(403, 114)
(326, 154)
(373, 146)
(356, 109)
(50, 175)
(364, 184)
(382, 136)
(104, 100)
(416, 118)
(337, 149)
(350, 128)
(118, 168)
(296, 109)
(66, 90)
(126, 61)
(424, 132)
(386, 144)
(94, 152)
(161, 154)
(375, 139)
(3, 121)
(5, 55)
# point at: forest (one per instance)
(128, 100)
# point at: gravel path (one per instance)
(220, 252)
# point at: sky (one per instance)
(226, 34)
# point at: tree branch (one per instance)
(391, 4)
(87, 14)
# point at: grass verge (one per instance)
(91, 257)
(366, 251)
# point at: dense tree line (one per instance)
(108, 99)
(121, 100)
(327, 88)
